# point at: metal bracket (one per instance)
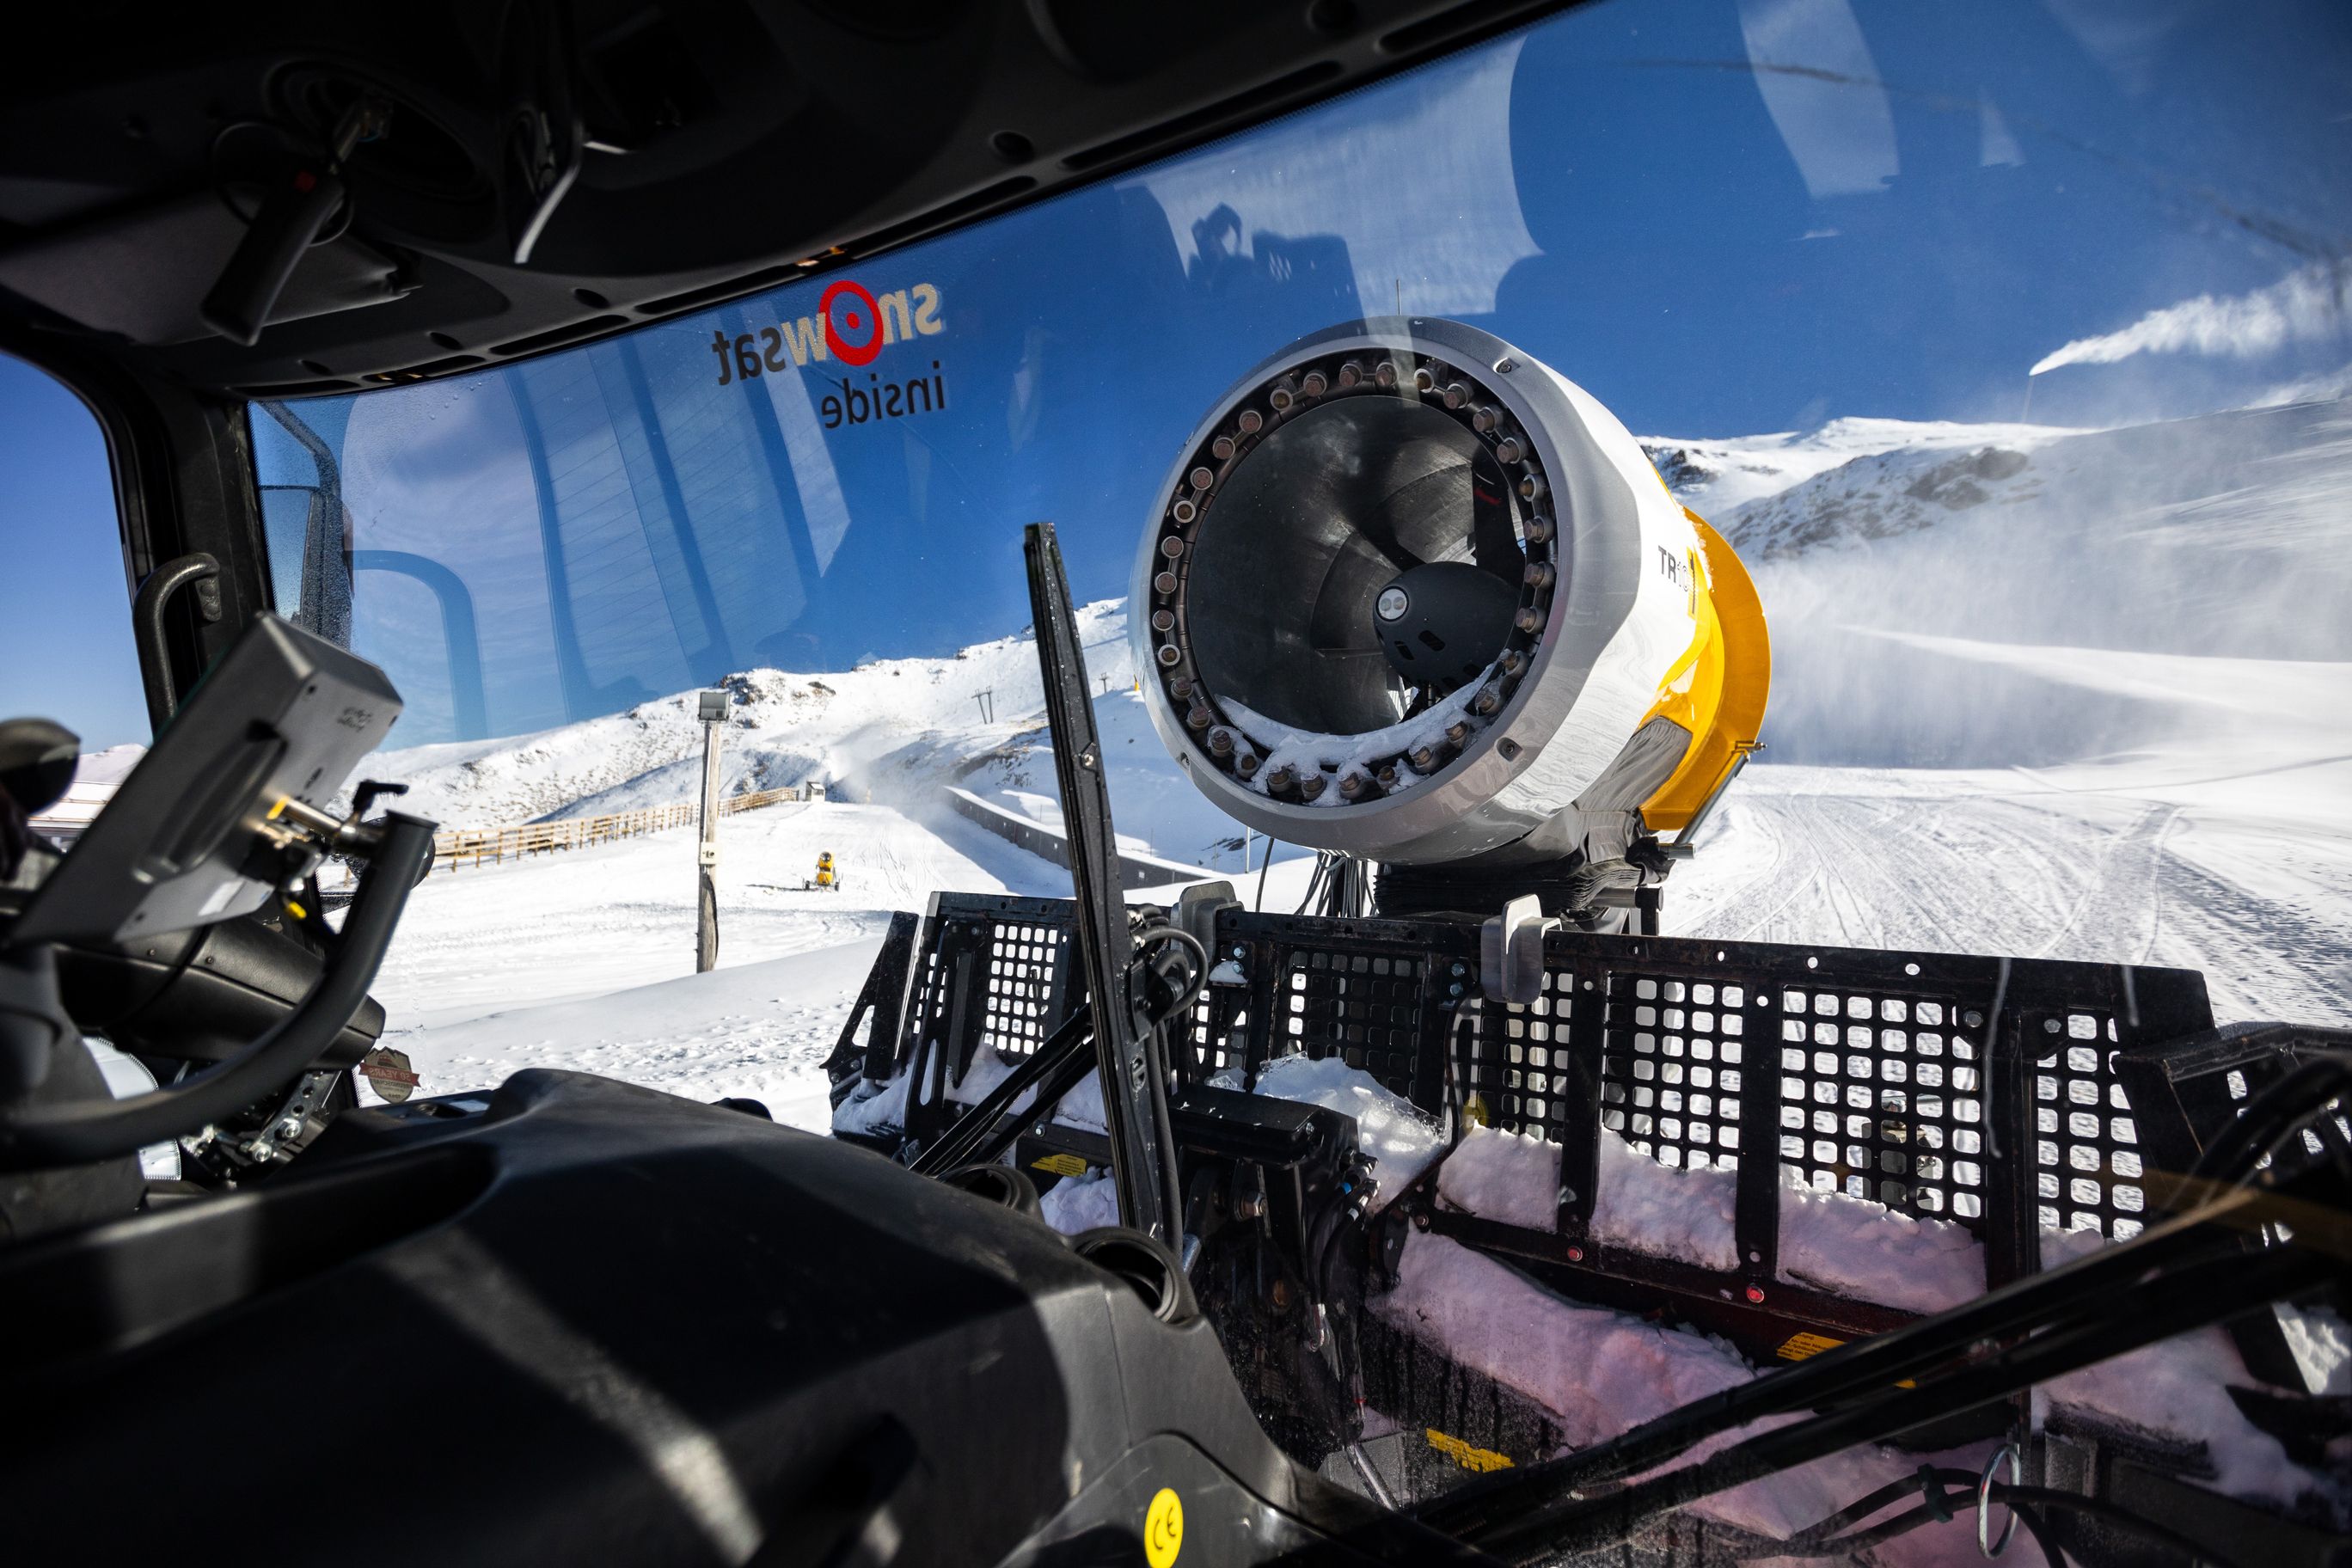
(1510, 951)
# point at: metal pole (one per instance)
(706, 855)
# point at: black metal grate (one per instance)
(1519, 1060)
(1863, 1072)
(1026, 963)
(2087, 1171)
(1882, 1097)
(1220, 1029)
(1364, 1008)
(1670, 1068)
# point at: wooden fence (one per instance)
(472, 846)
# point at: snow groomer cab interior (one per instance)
(1473, 1211)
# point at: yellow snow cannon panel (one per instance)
(1716, 690)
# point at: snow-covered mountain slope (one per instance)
(1715, 477)
(2218, 537)
(96, 777)
(890, 727)
(2271, 477)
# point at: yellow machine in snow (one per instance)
(825, 877)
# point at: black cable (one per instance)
(2272, 1118)
(1314, 882)
(1852, 1513)
(1457, 1103)
(1257, 905)
(2169, 1301)
(1823, 1540)
(1151, 936)
(80, 1131)
(1861, 1367)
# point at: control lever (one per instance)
(287, 225)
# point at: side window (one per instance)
(66, 647)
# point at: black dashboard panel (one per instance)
(573, 1320)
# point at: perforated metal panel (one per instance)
(1026, 962)
(1882, 1098)
(1519, 1061)
(1860, 1072)
(1671, 1069)
(1364, 1008)
(2086, 1158)
(1220, 1027)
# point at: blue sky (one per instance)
(1721, 219)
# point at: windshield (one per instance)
(2006, 346)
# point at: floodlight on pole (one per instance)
(712, 710)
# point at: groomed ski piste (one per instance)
(2074, 694)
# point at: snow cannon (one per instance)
(1414, 596)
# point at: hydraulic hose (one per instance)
(1835, 1537)
(2273, 1117)
(84, 1131)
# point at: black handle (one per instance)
(289, 221)
(147, 614)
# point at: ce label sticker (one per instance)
(1163, 1529)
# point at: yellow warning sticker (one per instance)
(1469, 1456)
(1799, 1347)
(1163, 1528)
(1060, 1164)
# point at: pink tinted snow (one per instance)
(1601, 1373)
(1081, 1203)
(1640, 1204)
(1662, 1210)
(1848, 1245)
(1853, 1246)
(1395, 1136)
(1505, 1176)
(2179, 1388)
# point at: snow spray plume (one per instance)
(2035, 619)
(2304, 306)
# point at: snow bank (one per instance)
(1853, 1246)
(873, 1107)
(1504, 1177)
(2177, 1390)
(1389, 1131)
(757, 1030)
(1664, 1212)
(1082, 1107)
(1640, 1204)
(1081, 1203)
(1601, 1373)
(1849, 1246)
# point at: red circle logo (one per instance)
(835, 345)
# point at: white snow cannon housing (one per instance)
(1412, 595)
